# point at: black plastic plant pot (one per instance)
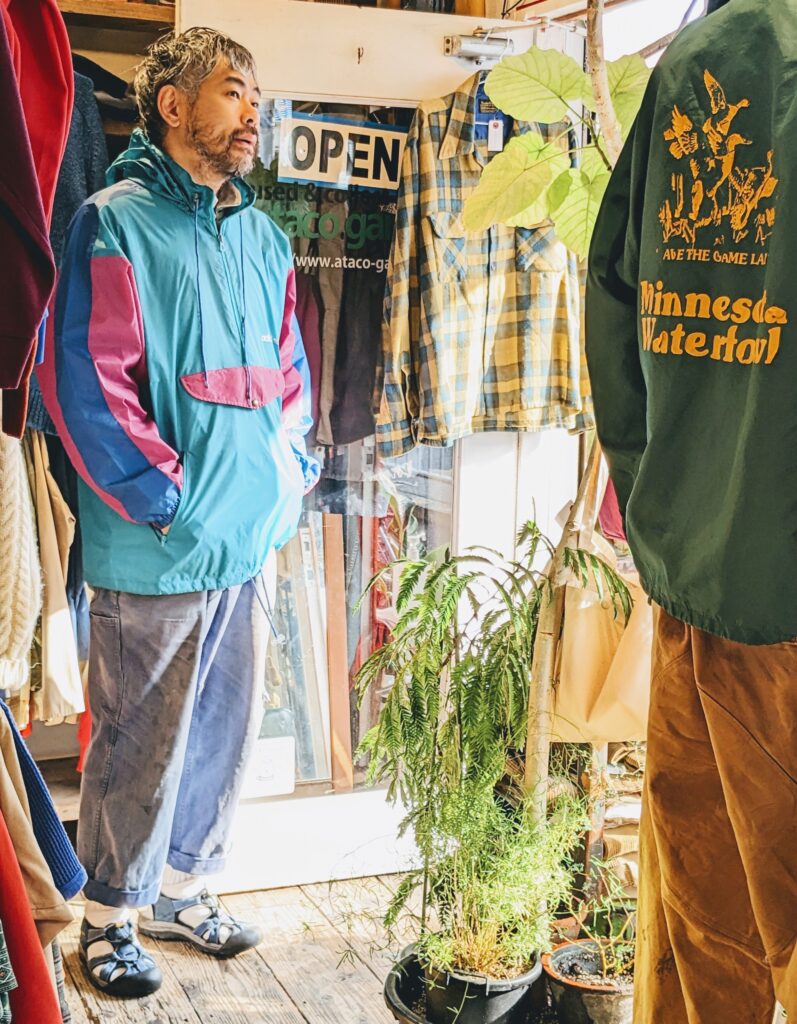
(579, 1001)
(417, 997)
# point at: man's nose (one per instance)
(251, 115)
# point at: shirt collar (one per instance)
(460, 134)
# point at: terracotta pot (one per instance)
(579, 1002)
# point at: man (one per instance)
(692, 349)
(182, 398)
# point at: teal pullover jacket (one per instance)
(178, 382)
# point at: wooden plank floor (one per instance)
(323, 961)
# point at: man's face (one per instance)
(224, 120)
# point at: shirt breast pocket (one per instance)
(538, 249)
(450, 244)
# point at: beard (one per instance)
(215, 149)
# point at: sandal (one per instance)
(118, 965)
(215, 933)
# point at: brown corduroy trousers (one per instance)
(718, 871)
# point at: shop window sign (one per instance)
(340, 153)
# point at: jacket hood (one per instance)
(147, 164)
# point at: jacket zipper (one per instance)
(234, 302)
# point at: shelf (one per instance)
(117, 13)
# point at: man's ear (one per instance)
(170, 106)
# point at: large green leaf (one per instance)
(533, 215)
(575, 199)
(514, 184)
(560, 189)
(628, 79)
(540, 85)
(592, 163)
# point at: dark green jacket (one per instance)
(692, 326)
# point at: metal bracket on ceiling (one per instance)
(481, 48)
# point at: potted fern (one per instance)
(457, 672)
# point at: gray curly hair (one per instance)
(185, 61)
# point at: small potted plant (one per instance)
(592, 979)
(457, 673)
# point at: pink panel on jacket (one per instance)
(46, 377)
(116, 346)
(248, 387)
(294, 385)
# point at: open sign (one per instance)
(340, 153)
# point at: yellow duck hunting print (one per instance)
(717, 194)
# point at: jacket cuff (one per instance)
(167, 518)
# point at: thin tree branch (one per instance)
(659, 45)
(598, 138)
(596, 66)
(546, 643)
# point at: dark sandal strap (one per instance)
(126, 954)
(208, 930)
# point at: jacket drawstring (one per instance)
(199, 292)
(268, 611)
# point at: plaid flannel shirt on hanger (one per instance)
(482, 330)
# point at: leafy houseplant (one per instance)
(446, 742)
(591, 979)
(533, 180)
(560, 179)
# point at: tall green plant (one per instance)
(457, 671)
(609, 919)
(536, 179)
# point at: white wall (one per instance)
(349, 54)
(633, 26)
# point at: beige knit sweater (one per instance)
(20, 576)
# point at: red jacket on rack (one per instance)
(27, 263)
(36, 91)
